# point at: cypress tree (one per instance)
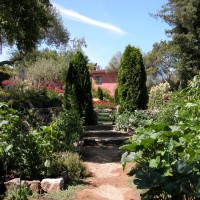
(132, 88)
(78, 88)
(116, 96)
(99, 93)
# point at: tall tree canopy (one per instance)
(114, 63)
(184, 18)
(27, 23)
(132, 88)
(161, 63)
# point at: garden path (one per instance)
(108, 181)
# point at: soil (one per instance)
(108, 181)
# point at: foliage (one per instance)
(168, 154)
(44, 70)
(69, 128)
(18, 26)
(18, 95)
(159, 94)
(132, 120)
(132, 78)
(99, 93)
(72, 164)
(161, 64)
(183, 17)
(78, 88)
(22, 149)
(114, 63)
(107, 96)
(3, 76)
(116, 96)
(20, 192)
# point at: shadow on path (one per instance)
(101, 154)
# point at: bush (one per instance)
(71, 163)
(69, 128)
(21, 96)
(159, 94)
(23, 151)
(4, 76)
(20, 192)
(128, 120)
(99, 93)
(168, 154)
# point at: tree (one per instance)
(184, 18)
(99, 93)
(27, 23)
(161, 64)
(78, 88)
(132, 88)
(45, 70)
(114, 63)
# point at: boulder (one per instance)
(52, 185)
(35, 185)
(12, 183)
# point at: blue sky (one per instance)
(108, 26)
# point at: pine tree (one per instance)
(132, 88)
(78, 88)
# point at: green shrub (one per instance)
(71, 163)
(20, 192)
(99, 93)
(69, 128)
(168, 154)
(128, 120)
(39, 98)
(116, 96)
(23, 151)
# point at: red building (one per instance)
(104, 80)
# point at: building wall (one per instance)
(104, 80)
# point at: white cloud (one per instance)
(76, 16)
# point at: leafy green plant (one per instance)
(69, 128)
(168, 154)
(20, 192)
(24, 151)
(132, 120)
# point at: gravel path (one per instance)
(108, 180)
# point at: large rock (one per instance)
(12, 183)
(52, 185)
(35, 185)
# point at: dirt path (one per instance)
(108, 180)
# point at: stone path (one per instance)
(108, 181)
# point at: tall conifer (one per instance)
(132, 88)
(78, 88)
